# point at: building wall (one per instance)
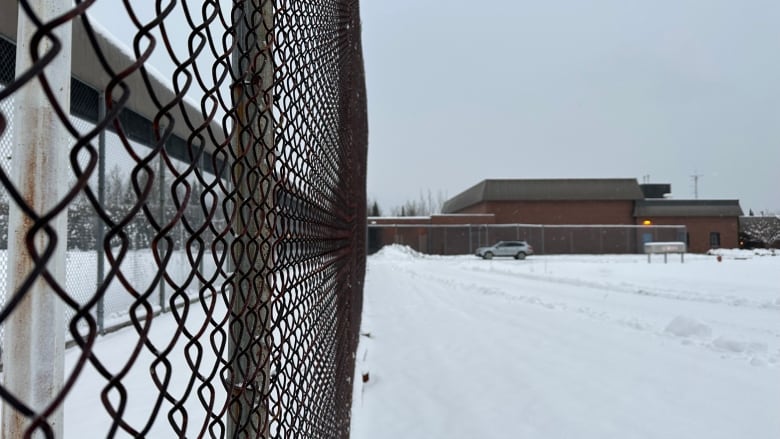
(699, 229)
(557, 212)
(417, 232)
(545, 239)
(457, 219)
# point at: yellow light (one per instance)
(647, 222)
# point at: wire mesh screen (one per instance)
(202, 187)
(7, 63)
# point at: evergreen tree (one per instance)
(375, 209)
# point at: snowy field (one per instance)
(550, 347)
(569, 347)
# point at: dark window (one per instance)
(714, 239)
(687, 239)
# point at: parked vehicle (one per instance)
(515, 249)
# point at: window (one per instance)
(714, 239)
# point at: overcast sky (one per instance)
(460, 91)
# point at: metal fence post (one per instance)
(161, 213)
(601, 241)
(34, 332)
(100, 227)
(571, 240)
(203, 252)
(253, 147)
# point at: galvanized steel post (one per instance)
(34, 332)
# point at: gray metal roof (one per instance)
(656, 208)
(545, 190)
(87, 68)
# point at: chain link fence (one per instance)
(545, 239)
(217, 211)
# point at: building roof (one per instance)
(545, 190)
(655, 190)
(656, 208)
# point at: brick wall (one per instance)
(558, 212)
(699, 229)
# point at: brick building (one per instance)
(709, 223)
(563, 201)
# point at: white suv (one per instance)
(516, 249)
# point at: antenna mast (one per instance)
(695, 178)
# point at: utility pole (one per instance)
(695, 178)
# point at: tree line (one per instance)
(120, 198)
(424, 205)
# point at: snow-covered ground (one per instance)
(550, 347)
(569, 347)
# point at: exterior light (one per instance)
(647, 222)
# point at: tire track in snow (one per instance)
(725, 345)
(642, 290)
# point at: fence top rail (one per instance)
(540, 226)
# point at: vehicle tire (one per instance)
(488, 255)
(520, 255)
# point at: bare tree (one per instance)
(425, 205)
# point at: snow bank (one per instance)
(397, 252)
(739, 346)
(738, 253)
(687, 327)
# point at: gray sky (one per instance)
(460, 91)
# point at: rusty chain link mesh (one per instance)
(223, 203)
